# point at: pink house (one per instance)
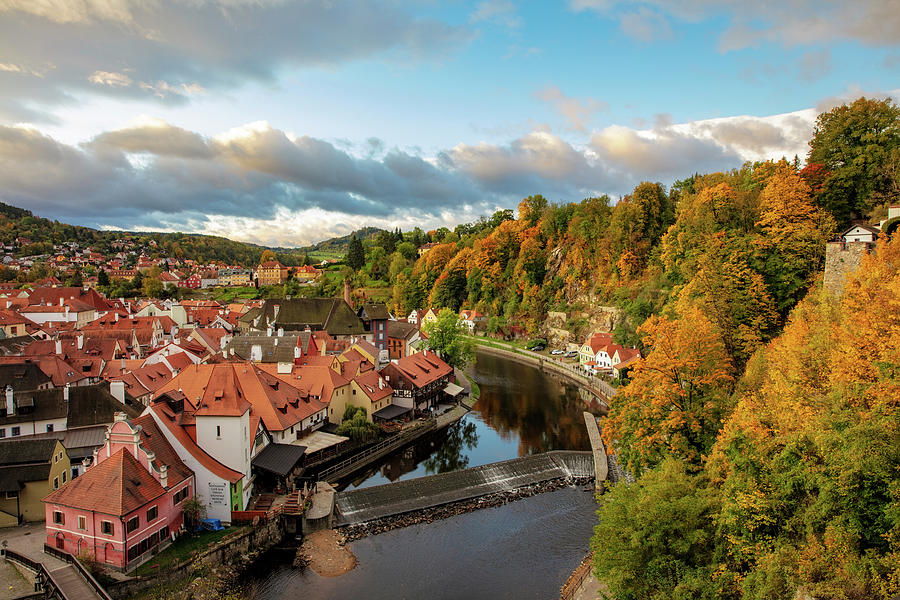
(127, 503)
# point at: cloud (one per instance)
(645, 25)
(789, 22)
(577, 112)
(170, 50)
(499, 12)
(258, 183)
(815, 65)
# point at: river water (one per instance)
(524, 549)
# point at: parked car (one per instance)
(557, 352)
(571, 354)
(538, 348)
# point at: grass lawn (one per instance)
(182, 549)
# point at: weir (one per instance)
(368, 504)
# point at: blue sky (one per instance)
(286, 122)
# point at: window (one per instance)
(82, 523)
(49, 427)
(152, 514)
(11, 495)
(64, 475)
(106, 527)
(180, 495)
(56, 483)
(59, 518)
(16, 431)
(218, 432)
(163, 533)
(3, 433)
(132, 524)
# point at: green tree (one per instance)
(854, 142)
(356, 255)
(656, 538)
(447, 339)
(356, 425)
(102, 278)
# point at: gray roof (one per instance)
(14, 346)
(88, 405)
(283, 351)
(401, 330)
(22, 377)
(26, 451)
(329, 314)
(373, 312)
(13, 479)
(390, 411)
(279, 458)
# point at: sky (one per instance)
(286, 122)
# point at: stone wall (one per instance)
(238, 549)
(841, 259)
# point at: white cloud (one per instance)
(578, 113)
(110, 79)
(788, 22)
(500, 12)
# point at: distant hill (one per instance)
(340, 245)
(44, 234)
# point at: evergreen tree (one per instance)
(356, 256)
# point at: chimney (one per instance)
(268, 332)
(58, 346)
(117, 389)
(10, 405)
(280, 331)
(79, 341)
(347, 293)
(164, 476)
(380, 383)
(62, 301)
(118, 417)
(66, 393)
(117, 317)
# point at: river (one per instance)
(524, 549)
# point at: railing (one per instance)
(248, 516)
(66, 557)
(23, 560)
(381, 447)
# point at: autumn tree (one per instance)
(266, 256)
(677, 396)
(792, 236)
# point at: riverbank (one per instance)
(571, 373)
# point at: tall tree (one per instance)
(356, 255)
(854, 142)
(677, 396)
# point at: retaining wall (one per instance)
(231, 550)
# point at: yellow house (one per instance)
(25, 466)
(60, 467)
(430, 316)
(12, 323)
(371, 392)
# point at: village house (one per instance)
(25, 466)
(271, 272)
(375, 319)
(371, 392)
(12, 323)
(68, 310)
(401, 337)
(234, 276)
(470, 319)
(597, 342)
(860, 232)
(332, 315)
(192, 282)
(306, 273)
(418, 380)
(127, 503)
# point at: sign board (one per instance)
(218, 494)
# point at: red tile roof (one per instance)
(116, 486)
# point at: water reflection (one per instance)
(521, 411)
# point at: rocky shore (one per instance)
(429, 515)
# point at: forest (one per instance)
(762, 424)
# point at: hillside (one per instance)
(43, 234)
(762, 422)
